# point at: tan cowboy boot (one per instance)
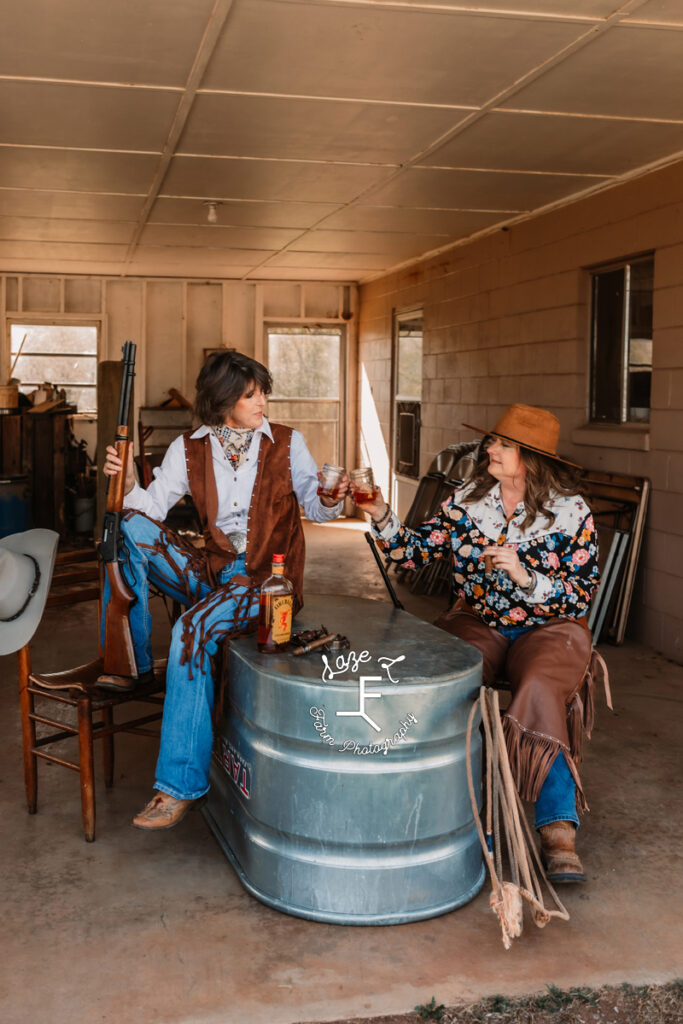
(163, 811)
(559, 857)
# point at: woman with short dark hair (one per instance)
(522, 513)
(247, 478)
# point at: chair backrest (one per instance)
(157, 427)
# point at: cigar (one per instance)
(488, 564)
(320, 642)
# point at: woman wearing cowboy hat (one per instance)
(524, 571)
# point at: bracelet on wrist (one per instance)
(380, 523)
(530, 586)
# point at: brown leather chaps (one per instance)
(550, 673)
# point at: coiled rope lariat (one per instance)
(504, 810)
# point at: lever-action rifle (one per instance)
(119, 654)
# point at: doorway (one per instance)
(309, 386)
(406, 407)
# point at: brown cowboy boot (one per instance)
(559, 857)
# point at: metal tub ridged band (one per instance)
(321, 814)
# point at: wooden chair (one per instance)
(90, 717)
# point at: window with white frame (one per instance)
(621, 342)
(59, 353)
(307, 366)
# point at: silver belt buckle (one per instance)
(238, 541)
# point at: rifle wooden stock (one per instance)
(119, 653)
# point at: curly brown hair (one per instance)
(222, 380)
(543, 475)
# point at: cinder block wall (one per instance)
(506, 319)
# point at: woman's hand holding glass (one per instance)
(507, 559)
(377, 508)
(334, 485)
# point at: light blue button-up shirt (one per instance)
(234, 486)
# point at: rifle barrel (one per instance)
(127, 375)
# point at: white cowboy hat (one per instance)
(26, 563)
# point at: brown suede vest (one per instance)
(273, 521)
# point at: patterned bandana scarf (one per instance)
(235, 443)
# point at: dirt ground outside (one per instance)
(623, 1004)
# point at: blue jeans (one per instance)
(153, 554)
(557, 799)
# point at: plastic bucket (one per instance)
(14, 505)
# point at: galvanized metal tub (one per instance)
(321, 815)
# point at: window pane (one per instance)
(640, 341)
(85, 399)
(607, 366)
(409, 363)
(64, 355)
(58, 370)
(48, 338)
(304, 365)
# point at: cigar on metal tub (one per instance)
(314, 643)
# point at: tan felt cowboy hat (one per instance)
(532, 428)
(26, 563)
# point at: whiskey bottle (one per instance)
(276, 600)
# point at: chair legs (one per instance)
(87, 772)
(76, 694)
(108, 747)
(28, 730)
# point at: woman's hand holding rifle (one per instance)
(114, 465)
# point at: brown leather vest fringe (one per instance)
(273, 521)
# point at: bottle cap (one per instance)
(279, 559)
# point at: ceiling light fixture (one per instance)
(212, 211)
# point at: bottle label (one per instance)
(282, 618)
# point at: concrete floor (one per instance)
(156, 928)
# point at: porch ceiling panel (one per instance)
(341, 262)
(228, 178)
(51, 229)
(215, 236)
(338, 138)
(508, 191)
(379, 52)
(630, 71)
(284, 127)
(395, 244)
(586, 145)
(44, 203)
(178, 255)
(64, 115)
(127, 41)
(666, 12)
(453, 223)
(77, 170)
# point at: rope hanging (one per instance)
(504, 812)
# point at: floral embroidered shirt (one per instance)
(563, 555)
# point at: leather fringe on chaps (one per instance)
(551, 672)
(531, 757)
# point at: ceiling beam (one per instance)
(205, 51)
